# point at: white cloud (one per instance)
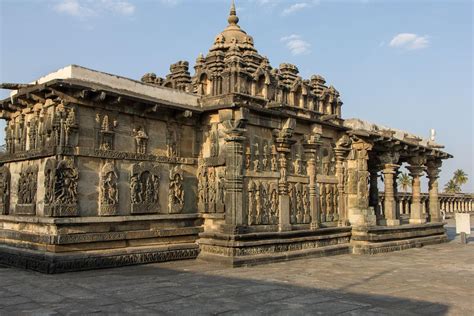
(409, 41)
(88, 8)
(170, 3)
(298, 7)
(296, 44)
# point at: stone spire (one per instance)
(233, 18)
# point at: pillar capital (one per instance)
(433, 168)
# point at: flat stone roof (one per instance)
(74, 72)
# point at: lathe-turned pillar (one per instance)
(416, 169)
(433, 171)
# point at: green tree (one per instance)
(460, 177)
(404, 181)
(452, 187)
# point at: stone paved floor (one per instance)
(434, 280)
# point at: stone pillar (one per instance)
(359, 213)
(416, 169)
(311, 146)
(283, 146)
(341, 151)
(390, 204)
(234, 198)
(433, 171)
(374, 191)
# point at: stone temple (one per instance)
(240, 163)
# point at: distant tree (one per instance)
(460, 177)
(452, 187)
(404, 181)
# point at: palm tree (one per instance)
(460, 177)
(404, 181)
(452, 187)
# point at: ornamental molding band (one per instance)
(235, 161)
(145, 188)
(60, 184)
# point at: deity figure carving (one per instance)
(274, 161)
(297, 165)
(265, 159)
(335, 203)
(212, 193)
(70, 126)
(106, 132)
(173, 139)
(274, 204)
(141, 140)
(27, 187)
(220, 195)
(108, 195)
(60, 185)
(145, 188)
(256, 157)
(322, 201)
(4, 190)
(202, 187)
(248, 157)
(292, 198)
(307, 210)
(299, 203)
(258, 205)
(214, 141)
(329, 202)
(176, 191)
(252, 215)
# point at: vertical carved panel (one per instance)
(108, 194)
(27, 187)
(4, 190)
(61, 181)
(176, 191)
(144, 188)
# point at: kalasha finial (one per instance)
(233, 18)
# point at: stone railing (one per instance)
(449, 203)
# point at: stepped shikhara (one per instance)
(240, 163)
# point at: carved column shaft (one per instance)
(433, 173)
(341, 154)
(390, 203)
(283, 149)
(234, 178)
(311, 149)
(416, 169)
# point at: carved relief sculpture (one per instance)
(145, 188)
(4, 190)
(108, 195)
(27, 187)
(173, 139)
(141, 140)
(61, 188)
(106, 132)
(176, 191)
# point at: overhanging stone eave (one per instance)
(7, 105)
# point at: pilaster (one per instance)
(311, 146)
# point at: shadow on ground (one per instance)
(151, 289)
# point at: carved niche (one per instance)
(145, 188)
(214, 141)
(176, 191)
(27, 187)
(60, 184)
(211, 189)
(108, 195)
(262, 203)
(4, 190)
(105, 135)
(300, 212)
(141, 140)
(173, 140)
(64, 125)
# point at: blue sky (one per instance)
(403, 64)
